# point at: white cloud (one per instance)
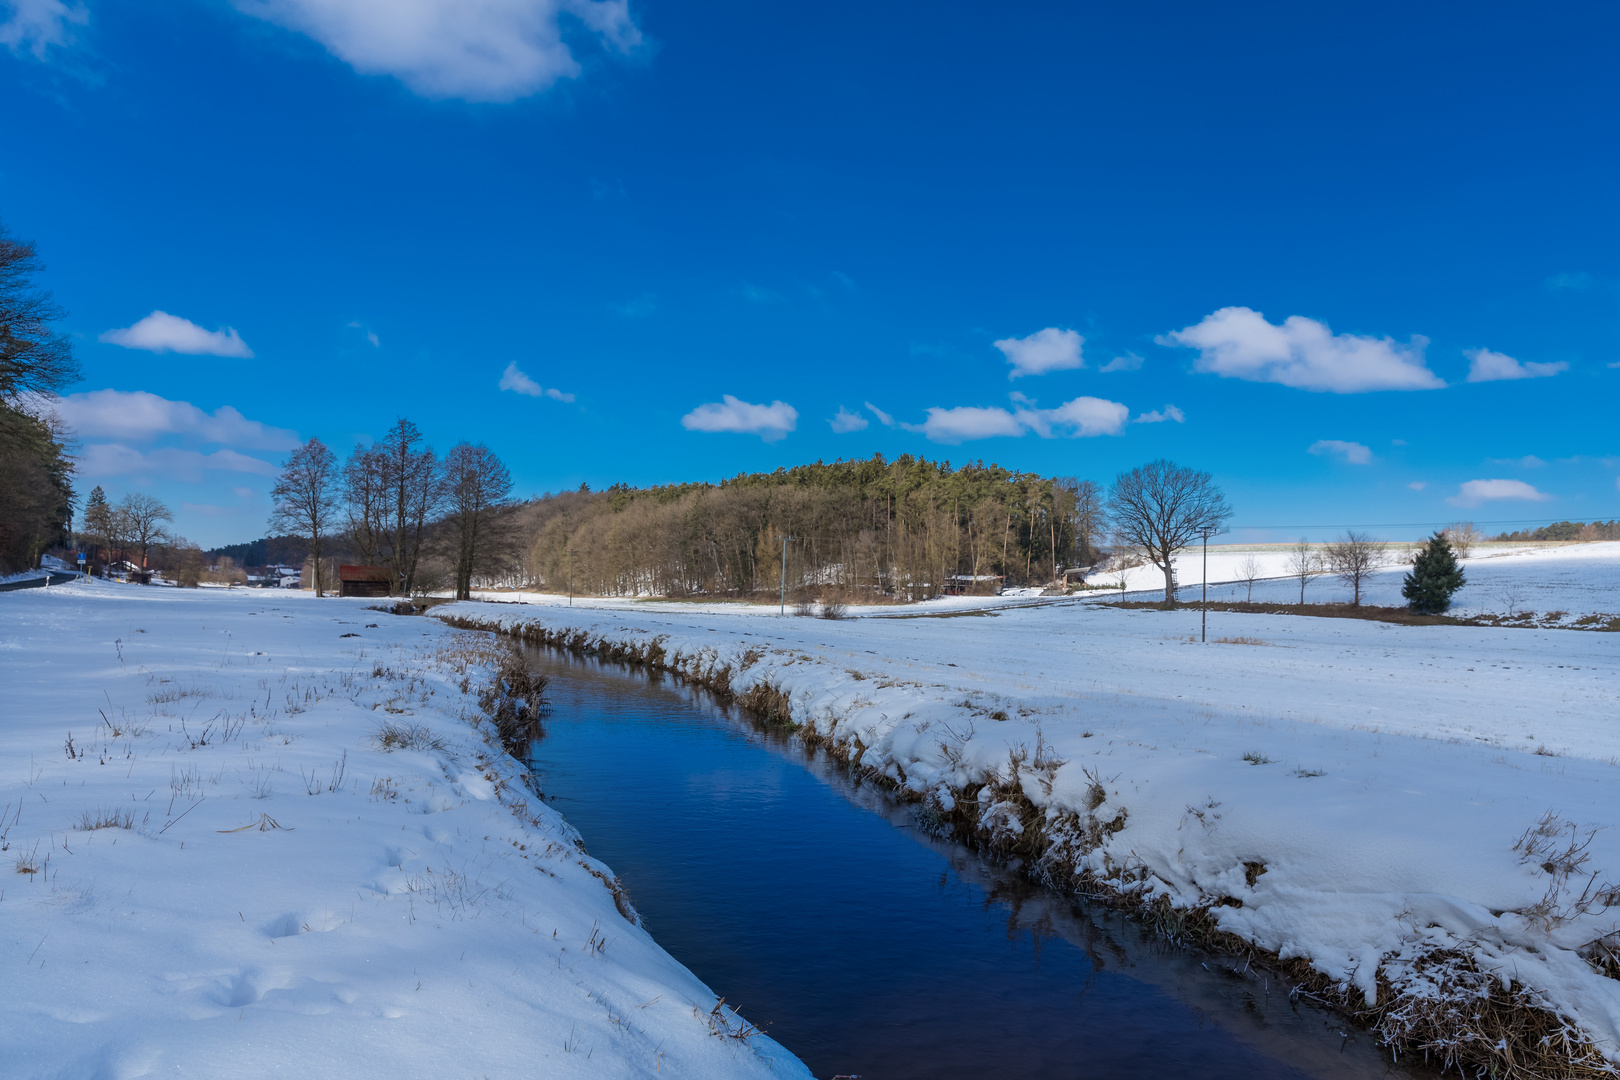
(479, 50)
(371, 335)
(514, 380)
(1529, 461)
(1580, 281)
(1238, 343)
(141, 416)
(1081, 418)
(846, 421)
(883, 418)
(1352, 452)
(1045, 350)
(171, 463)
(36, 25)
(1475, 492)
(1129, 362)
(1487, 366)
(1417, 485)
(770, 422)
(161, 332)
(966, 422)
(1159, 416)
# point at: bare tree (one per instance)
(1161, 507)
(1249, 573)
(1081, 502)
(365, 500)
(305, 502)
(1120, 566)
(1462, 536)
(1353, 557)
(476, 486)
(1304, 563)
(140, 522)
(412, 493)
(34, 358)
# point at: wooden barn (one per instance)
(365, 581)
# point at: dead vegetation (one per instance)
(1399, 615)
(100, 818)
(405, 735)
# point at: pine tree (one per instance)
(1434, 578)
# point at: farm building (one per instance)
(365, 581)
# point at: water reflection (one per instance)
(824, 910)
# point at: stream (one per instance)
(820, 908)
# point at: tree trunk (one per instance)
(1169, 580)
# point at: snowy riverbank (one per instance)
(212, 866)
(1345, 792)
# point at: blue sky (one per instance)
(1358, 261)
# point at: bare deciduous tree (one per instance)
(1161, 507)
(1353, 557)
(1249, 573)
(1304, 563)
(35, 359)
(139, 519)
(476, 487)
(305, 499)
(1462, 536)
(365, 499)
(412, 493)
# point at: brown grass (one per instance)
(1373, 613)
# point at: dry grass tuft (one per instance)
(99, 818)
(394, 735)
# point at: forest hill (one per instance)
(900, 529)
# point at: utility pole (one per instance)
(1203, 616)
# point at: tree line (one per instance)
(396, 505)
(906, 529)
(1576, 531)
(36, 363)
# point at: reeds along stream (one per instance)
(865, 945)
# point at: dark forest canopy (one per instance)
(906, 529)
(1582, 531)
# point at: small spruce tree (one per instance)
(1434, 578)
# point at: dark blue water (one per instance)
(819, 908)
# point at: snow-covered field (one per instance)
(1576, 579)
(1350, 792)
(211, 867)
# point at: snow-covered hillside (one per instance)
(212, 866)
(1577, 579)
(1381, 800)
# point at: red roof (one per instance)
(378, 574)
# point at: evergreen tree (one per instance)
(97, 520)
(1434, 578)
